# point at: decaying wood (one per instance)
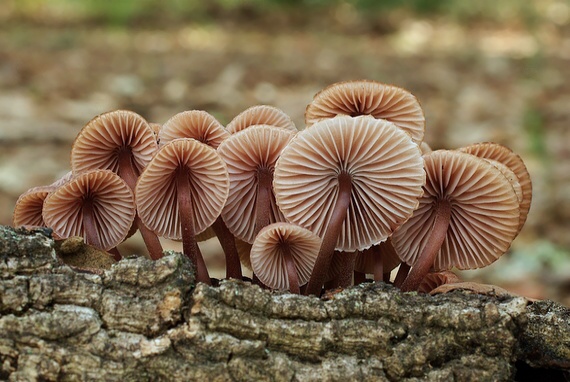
(145, 321)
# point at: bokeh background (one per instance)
(484, 71)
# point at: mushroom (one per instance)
(373, 98)
(379, 260)
(123, 142)
(283, 256)
(504, 155)
(28, 209)
(250, 156)
(352, 181)
(467, 217)
(437, 279)
(97, 205)
(261, 115)
(203, 127)
(181, 192)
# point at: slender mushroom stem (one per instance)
(263, 203)
(344, 278)
(292, 274)
(128, 172)
(378, 263)
(331, 235)
(359, 277)
(89, 226)
(186, 213)
(402, 274)
(427, 256)
(228, 243)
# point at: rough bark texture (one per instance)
(145, 321)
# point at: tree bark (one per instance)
(144, 321)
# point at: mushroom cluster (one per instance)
(356, 192)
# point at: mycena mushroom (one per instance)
(181, 192)
(352, 181)
(261, 115)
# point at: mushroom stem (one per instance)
(344, 278)
(402, 274)
(116, 254)
(89, 226)
(228, 243)
(378, 263)
(292, 274)
(263, 203)
(186, 213)
(128, 172)
(331, 235)
(359, 277)
(427, 257)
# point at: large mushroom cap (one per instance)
(98, 144)
(506, 156)
(484, 212)
(268, 257)
(373, 98)
(261, 115)
(245, 152)
(156, 188)
(196, 124)
(28, 209)
(110, 198)
(385, 166)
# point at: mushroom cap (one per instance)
(28, 209)
(436, 279)
(112, 202)
(484, 212)
(387, 174)
(155, 191)
(244, 153)
(506, 156)
(365, 260)
(373, 98)
(196, 124)
(98, 144)
(426, 149)
(261, 115)
(268, 258)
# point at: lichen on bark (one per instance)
(142, 320)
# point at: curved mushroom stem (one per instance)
(228, 243)
(89, 227)
(330, 238)
(116, 254)
(427, 256)
(186, 213)
(128, 172)
(263, 203)
(292, 274)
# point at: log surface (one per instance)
(146, 321)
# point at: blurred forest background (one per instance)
(484, 71)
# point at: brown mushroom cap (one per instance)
(267, 255)
(502, 154)
(373, 98)
(156, 188)
(28, 209)
(245, 152)
(261, 115)
(98, 144)
(112, 201)
(385, 166)
(196, 124)
(484, 212)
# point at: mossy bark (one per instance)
(145, 321)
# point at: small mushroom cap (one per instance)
(365, 260)
(155, 191)
(387, 174)
(484, 212)
(261, 115)
(112, 202)
(244, 153)
(28, 209)
(98, 144)
(268, 258)
(196, 124)
(426, 149)
(506, 156)
(373, 98)
(436, 279)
